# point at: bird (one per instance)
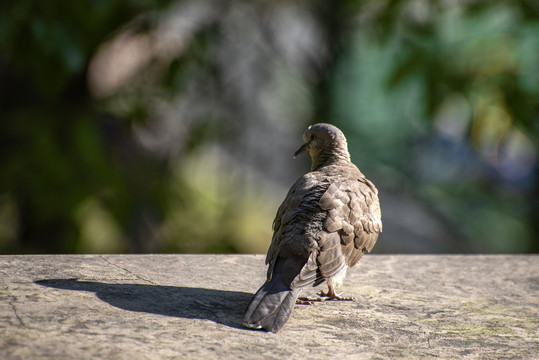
(328, 219)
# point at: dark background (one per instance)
(169, 126)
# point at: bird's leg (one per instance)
(332, 295)
(324, 296)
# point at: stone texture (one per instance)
(190, 307)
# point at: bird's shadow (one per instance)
(220, 306)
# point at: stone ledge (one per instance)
(190, 307)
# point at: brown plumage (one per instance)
(329, 218)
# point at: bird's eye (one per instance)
(313, 137)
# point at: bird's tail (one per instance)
(271, 306)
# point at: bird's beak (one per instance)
(302, 149)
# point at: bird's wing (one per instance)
(352, 224)
(298, 220)
(321, 228)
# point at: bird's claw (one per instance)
(305, 301)
(322, 296)
(335, 296)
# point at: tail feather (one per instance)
(271, 306)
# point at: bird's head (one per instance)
(324, 142)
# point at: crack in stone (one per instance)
(14, 308)
(127, 270)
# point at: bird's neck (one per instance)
(329, 157)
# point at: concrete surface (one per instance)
(190, 307)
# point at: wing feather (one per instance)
(328, 221)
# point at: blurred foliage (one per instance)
(59, 150)
(463, 104)
(151, 126)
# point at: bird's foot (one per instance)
(322, 296)
(305, 301)
(332, 295)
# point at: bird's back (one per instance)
(329, 218)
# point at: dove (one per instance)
(329, 218)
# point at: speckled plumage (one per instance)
(329, 218)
